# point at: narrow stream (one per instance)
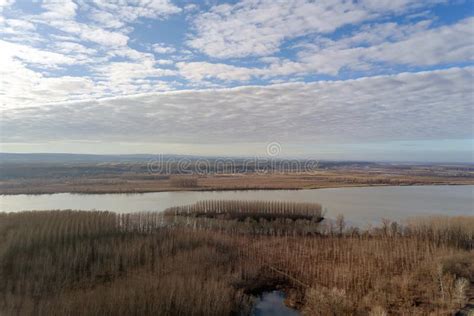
(272, 304)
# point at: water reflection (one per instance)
(359, 205)
(272, 304)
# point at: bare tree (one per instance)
(340, 224)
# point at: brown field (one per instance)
(141, 181)
(101, 263)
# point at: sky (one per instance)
(384, 80)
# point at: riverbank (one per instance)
(142, 183)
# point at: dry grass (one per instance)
(101, 263)
(184, 182)
(456, 230)
(146, 182)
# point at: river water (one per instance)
(359, 205)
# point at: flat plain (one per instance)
(136, 177)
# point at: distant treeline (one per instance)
(241, 210)
(63, 167)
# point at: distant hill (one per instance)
(66, 158)
(76, 158)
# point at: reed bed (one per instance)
(456, 230)
(241, 210)
(102, 263)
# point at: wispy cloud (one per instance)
(259, 27)
(388, 44)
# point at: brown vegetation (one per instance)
(123, 178)
(256, 210)
(184, 182)
(102, 263)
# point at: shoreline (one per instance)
(222, 189)
(91, 181)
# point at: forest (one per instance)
(189, 261)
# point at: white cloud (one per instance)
(71, 48)
(199, 71)
(258, 27)
(133, 76)
(59, 9)
(191, 7)
(165, 62)
(83, 54)
(31, 55)
(105, 15)
(451, 43)
(20, 24)
(21, 86)
(26, 79)
(161, 48)
(91, 33)
(106, 19)
(6, 3)
(389, 43)
(89, 70)
(120, 71)
(400, 45)
(18, 30)
(129, 53)
(129, 11)
(407, 106)
(26, 73)
(396, 6)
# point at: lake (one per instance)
(359, 205)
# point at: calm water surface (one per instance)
(359, 205)
(273, 304)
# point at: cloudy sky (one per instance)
(329, 79)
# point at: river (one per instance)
(359, 205)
